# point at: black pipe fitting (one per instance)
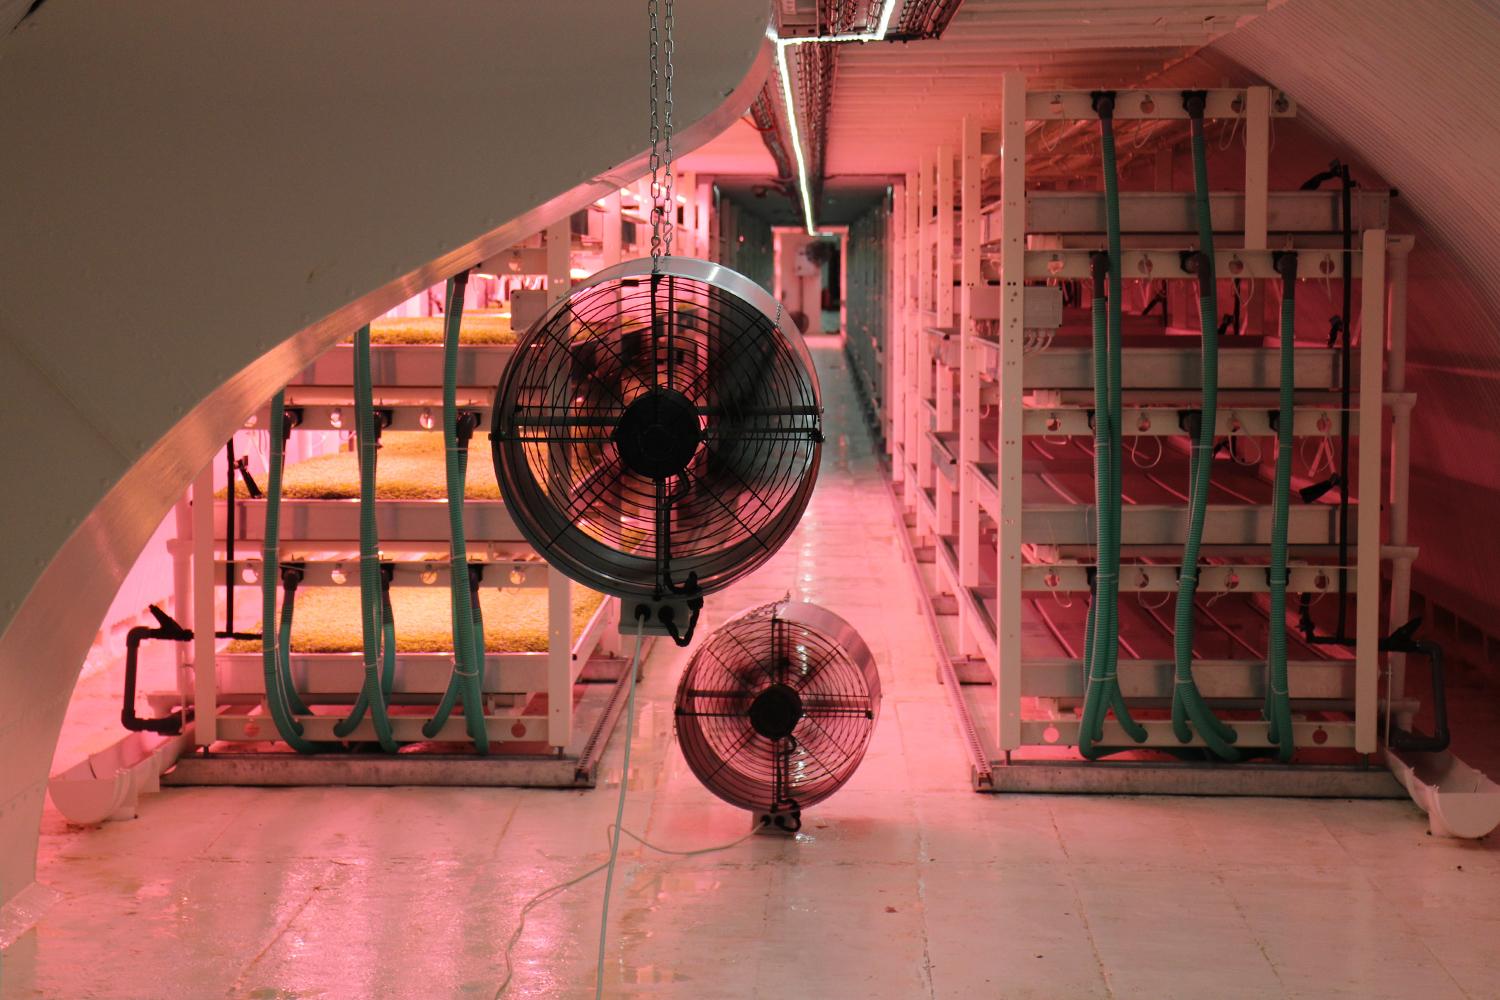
(1098, 269)
(1284, 263)
(242, 465)
(1314, 492)
(291, 418)
(1200, 265)
(1103, 103)
(465, 425)
(1195, 102)
(1404, 640)
(168, 629)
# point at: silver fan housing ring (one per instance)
(590, 442)
(777, 707)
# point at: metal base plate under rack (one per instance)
(594, 719)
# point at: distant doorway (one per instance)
(810, 279)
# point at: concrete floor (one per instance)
(905, 884)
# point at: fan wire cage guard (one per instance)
(658, 434)
(776, 708)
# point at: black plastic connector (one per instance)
(167, 628)
(1335, 327)
(1098, 269)
(1404, 640)
(1315, 492)
(464, 426)
(242, 466)
(1200, 265)
(1284, 263)
(1195, 102)
(1103, 103)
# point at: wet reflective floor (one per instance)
(904, 884)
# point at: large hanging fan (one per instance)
(776, 709)
(656, 435)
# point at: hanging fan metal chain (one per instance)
(661, 131)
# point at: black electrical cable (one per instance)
(1339, 171)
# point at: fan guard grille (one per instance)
(651, 427)
(735, 700)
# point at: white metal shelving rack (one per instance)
(226, 689)
(959, 355)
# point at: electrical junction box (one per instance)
(680, 613)
(526, 307)
(1042, 309)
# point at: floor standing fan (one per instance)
(656, 435)
(776, 708)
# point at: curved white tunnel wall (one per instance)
(1409, 87)
(196, 200)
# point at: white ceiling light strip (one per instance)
(782, 44)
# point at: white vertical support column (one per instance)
(895, 356)
(911, 398)
(205, 656)
(1257, 166)
(1257, 189)
(613, 248)
(968, 379)
(926, 242)
(703, 205)
(1012, 340)
(181, 549)
(1395, 380)
(559, 587)
(684, 238)
(1367, 549)
(945, 376)
(943, 301)
(946, 392)
(714, 227)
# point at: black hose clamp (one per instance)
(292, 575)
(1098, 268)
(464, 426)
(1284, 263)
(1200, 265)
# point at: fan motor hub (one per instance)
(775, 712)
(658, 434)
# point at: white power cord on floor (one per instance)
(613, 832)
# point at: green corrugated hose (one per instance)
(1278, 710)
(1189, 710)
(468, 626)
(277, 686)
(284, 649)
(371, 586)
(1102, 636)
